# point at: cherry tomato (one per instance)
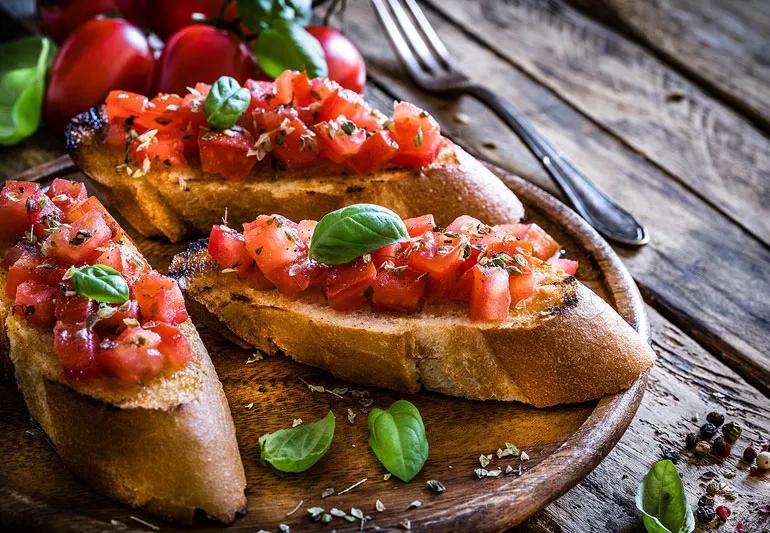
(58, 19)
(167, 16)
(344, 61)
(101, 55)
(202, 53)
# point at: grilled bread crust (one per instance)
(167, 447)
(178, 200)
(565, 345)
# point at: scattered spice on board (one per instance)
(145, 523)
(354, 485)
(379, 506)
(296, 422)
(414, 504)
(327, 492)
(436, 486)
(254, 358)
(406, 523)
(296, 508)
(351, 416)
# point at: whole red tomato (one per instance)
(346, 66)
(202, 53)
(164, 17)
(101, 55)
(57, 19)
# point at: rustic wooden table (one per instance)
(666, 104)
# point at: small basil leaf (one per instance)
(100, 283)
(297, 449)
(226, 102)
(260, 14)
(397, 437)
(23, 66)
(662, 501)
(353, 231)
(288, 46)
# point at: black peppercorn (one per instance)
(691, 440)
(705, 514)
(715, 418)
(720, 448)
(749, 454)
(707, 500)
(671, 455)
(708, 430)
(731, 431)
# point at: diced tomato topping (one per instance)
(133, 357)
(161, 150)
(378, 150)
(42, 214)
(417, 133)
(125, 260)
(390, 252)
(35, 303)
(31, 266)
(122, 105)
(521, 286)
(93, 205)
(274, 243)
(305, 228)
(72, 308)
(77, 347)
(65, 193)
(228, 248)
(469, 226)
(117, 317)
(418, 225)
(13, 210)
(80, 241)
(159, 298)
(173, 344)
(490, 294)
(436, 253)
(567, 265)
(15, 252)
(226, 154)
(544, 246)
(400, 291)
(346, 284)
(339, 139)
(293, 144)
(350, 104)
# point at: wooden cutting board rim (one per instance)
(513, 501)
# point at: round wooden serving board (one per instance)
(563, 443)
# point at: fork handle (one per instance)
(593, 204)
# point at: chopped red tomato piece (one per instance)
(226, 154)
(72, 308)
(390, 252)
(417, 133)
(43, 214)
(122, 316)
(13, 210)
(399, 290)
(436, 253)
(65, 193)
(567, 265)
(490, 297)
(133, 357)
(305, 228)
(77, 347)
(31, 266)
(544, 246)
(339, 139)
(173, 345)
(346, 284)
(161, 150)
(92, 204)
(122, 105)
(293, 144)
(35, 303)
(472, 227)
(228, 248)
(274, 243)
(350, 104)
(80, 241)
(521, 286)
(377, 151)
(159, 298)
(125, 260)
(418, 225)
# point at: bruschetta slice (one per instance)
(107, 360)
(303, 148)
(470, 310)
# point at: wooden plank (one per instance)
(685, 382)
(634, 96)
(722, 45)
(700, 268)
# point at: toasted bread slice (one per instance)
(167, 447)
(173, 201)
(564, 345)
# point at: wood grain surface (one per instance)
(563, 443)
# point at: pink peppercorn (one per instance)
(723, 512)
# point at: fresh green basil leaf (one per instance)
(288, 46)
(353, 231)
(23, 66)
(226, 102)
(662, 501)
(297, 449)
(100, 283)
(260, 14)
(397, 437)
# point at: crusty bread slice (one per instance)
(172, 201)
(564, 345)
(167, 447)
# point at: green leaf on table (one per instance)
(100, 283)
(397, 437)
(226, 102)
(260, 14)
(287, 45)
(662, 501)
(23, 66)
(298, 448)
(355, 230)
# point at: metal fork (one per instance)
(432, 67)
